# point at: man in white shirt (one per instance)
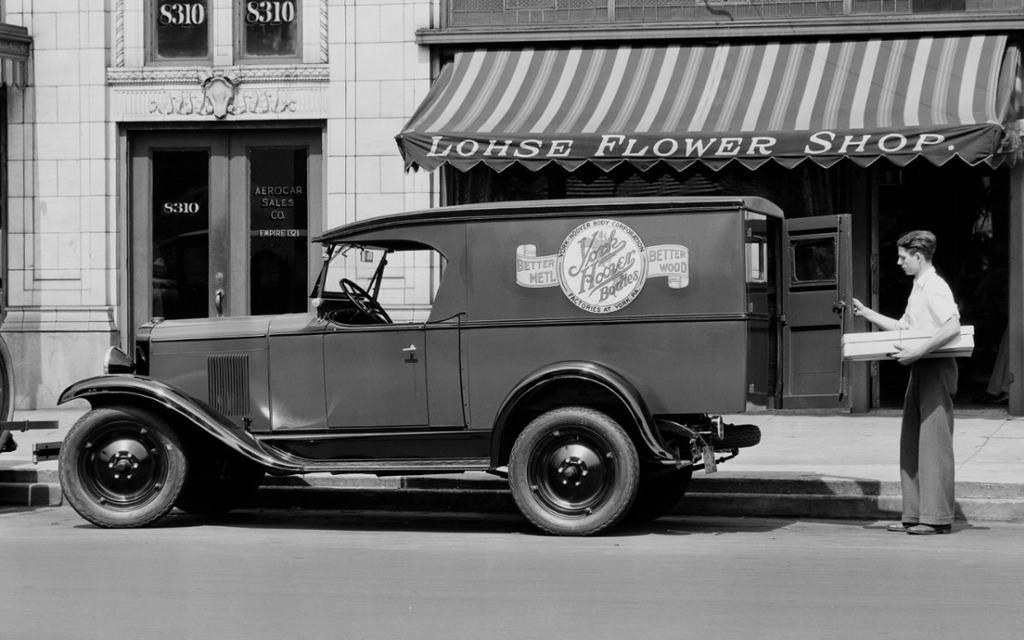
(926, 438)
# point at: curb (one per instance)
(729, 494)
(31, 494)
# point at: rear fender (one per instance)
(127, 390)
(613, 382)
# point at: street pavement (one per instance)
(808, 465)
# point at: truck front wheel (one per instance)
(122, 467)
(574, 471)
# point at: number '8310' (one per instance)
(269, 12)
(180, 14)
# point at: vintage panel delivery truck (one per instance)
(584, 349)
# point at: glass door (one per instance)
(276, 201)
(221, 223)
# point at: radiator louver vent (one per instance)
(229, 383)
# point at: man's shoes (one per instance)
(929, 529)
(900, 527)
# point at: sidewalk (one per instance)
(810, 465)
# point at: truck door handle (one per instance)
(218, 302)
(410, 349)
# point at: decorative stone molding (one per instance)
(236, 92)
(243, 74)
(219, 91)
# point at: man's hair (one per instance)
(922, 242)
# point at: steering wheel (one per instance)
(364, 302)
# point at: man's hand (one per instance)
(907, 357)
(858, 308)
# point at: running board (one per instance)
(396, 467)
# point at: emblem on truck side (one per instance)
(602, 266)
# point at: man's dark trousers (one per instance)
(926, 443)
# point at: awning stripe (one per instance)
(919, 70)
(819, 58)
(828, 110)
(727, 109)
(639, 87)
(684, 89)
(661, 87)
(557, 99)
(608, 92)
(510, 92)
(788, 101)
(764, 78)
(713, 80)
(865, 78)
(944, 80)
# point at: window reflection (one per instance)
(181, 234)
(181, 30)
(814, 261)
(278, 230)
(270, 28)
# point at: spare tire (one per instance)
(738, 436)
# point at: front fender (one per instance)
(131, 389)
(611, 380)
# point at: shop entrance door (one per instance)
(221, 223)
(817, 268)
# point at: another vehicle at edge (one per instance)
(583, 349)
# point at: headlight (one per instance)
(118, 362)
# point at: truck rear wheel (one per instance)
(574, 471)
(122, 467)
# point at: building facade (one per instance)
(173, 159)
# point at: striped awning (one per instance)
(899, 99)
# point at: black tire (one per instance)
(219, 484)
(573, 471)
(660, 491)
(122, 467)
(738, 436)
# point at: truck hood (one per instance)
(212, 328)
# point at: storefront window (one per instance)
(269, 29)
(179, 31)
(278, 230)
(181, 233)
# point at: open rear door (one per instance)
(817, 310)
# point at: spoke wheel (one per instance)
(573, 471)
(121, 467)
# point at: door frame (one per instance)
(229, 184)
